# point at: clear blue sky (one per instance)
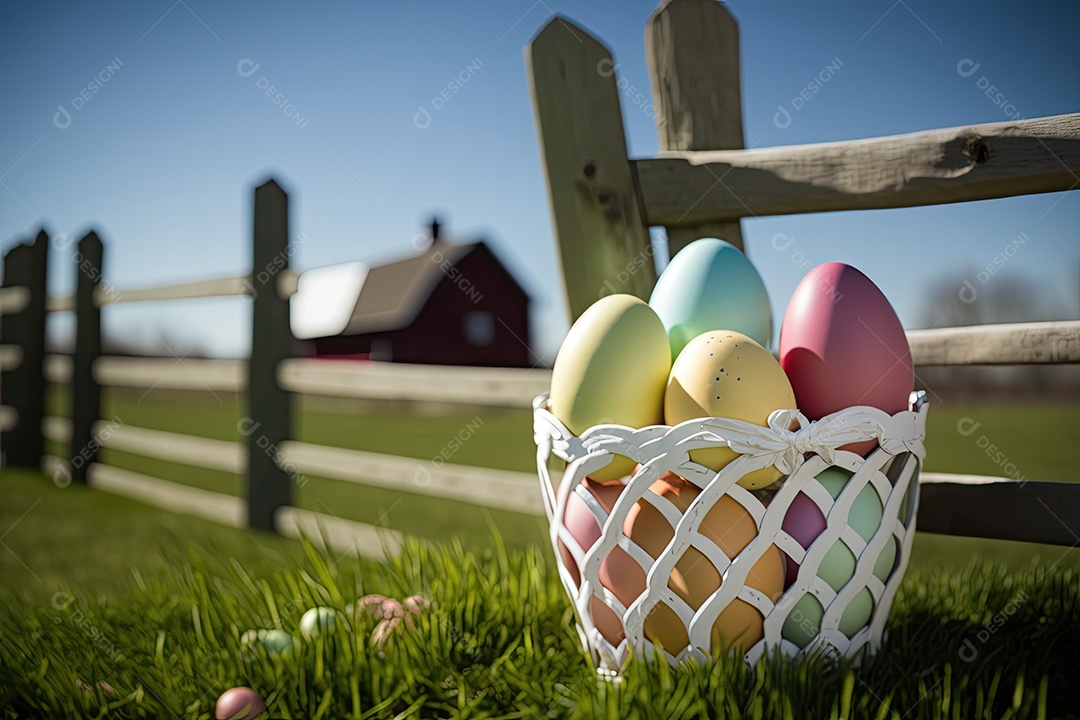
(163, 157)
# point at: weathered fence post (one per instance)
(603, 241)
(85, 390)
(269, 421)
(692, 49)
(23, 387)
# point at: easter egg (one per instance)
(710, 284)
(318, 621)
(841, 345)
(276, 642)
(694, 578)
(804, 522)
(581, 523)
(838, 565)
(239, 703)
(612, 368)
(723, 373)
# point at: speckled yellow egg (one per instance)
(612, 368)
(726, 374)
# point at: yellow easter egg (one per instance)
(612, 368)
(726, 374)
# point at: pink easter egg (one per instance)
(239, 703)
(581, 523)
(804, 522)
(841, 345)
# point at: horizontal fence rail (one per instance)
(512, 387)
(486, 487)
(9, 417)
(1007, 344)
(976, 162)
(233, 286)
(220, 455)
(501, 489)
(167, 373)
(1000, 508)
(338, 534)
(10, 357)
(13, 299)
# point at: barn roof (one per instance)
(393, 294)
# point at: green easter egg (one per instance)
(838, 566)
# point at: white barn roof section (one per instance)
(325, 298)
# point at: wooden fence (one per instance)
(703, 182)
(268, 383)
(602, 203)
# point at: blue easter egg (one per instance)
(710, 284)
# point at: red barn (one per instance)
(449, 305)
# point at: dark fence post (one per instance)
(269, 420)
(23, 387)
(85, 390)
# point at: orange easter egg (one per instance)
(694, 578)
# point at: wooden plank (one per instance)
(58, 369)
(928, 478)
(233, 286)
(10, 356)
(167, 373)
(1012, 344)
(933, 167)
(508, 387)
(176, 498)
(9, 416)
(86, 391)
(13, 299)
(60, 303)
(170, 373)
(223, 455)
(692, 50)
(269, 421)
(1037, 512)
(340, 535)
(500, 489)
(23, 386)
(603, 243)
(337, 534)
(57, 429)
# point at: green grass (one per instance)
(1036, 442)
(98, 588)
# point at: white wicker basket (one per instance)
(892, 470)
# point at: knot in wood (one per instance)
(976, 150)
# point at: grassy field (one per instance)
(98, 588)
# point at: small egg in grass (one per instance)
(239, 703)
(318, 622)
(275, 642)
